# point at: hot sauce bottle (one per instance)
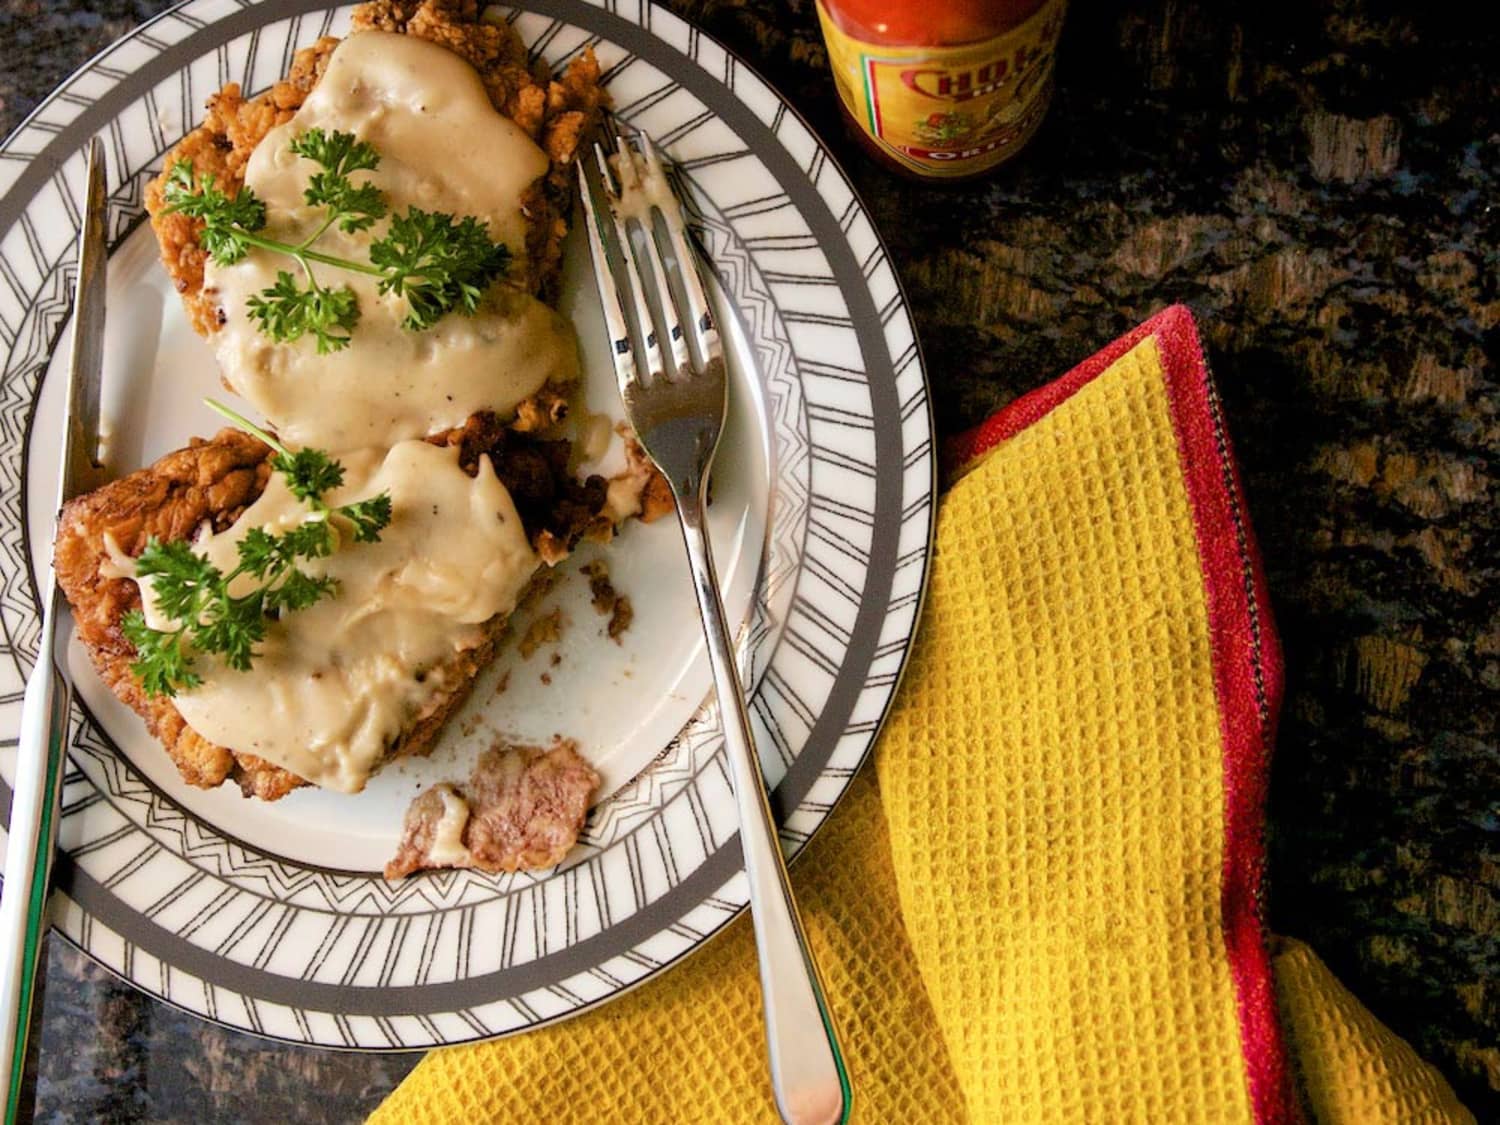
(943, 89)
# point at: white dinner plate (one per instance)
(273, 917)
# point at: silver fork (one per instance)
(677, 409)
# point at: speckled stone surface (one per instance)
(1319, 181)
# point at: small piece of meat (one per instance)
(546, 408)
(418, 833)
(535, 472)
(211, 483)
(526, 807)
(656, 498)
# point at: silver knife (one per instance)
(41, 756)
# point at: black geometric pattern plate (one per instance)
(185, 905)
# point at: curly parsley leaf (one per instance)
(232, 627)
(298, 590)
(286, 312)
(161, 665)
(183, 577)
(438, 264)
(309, 472)
(259, 551)
(354, 207)
(312, 539)
(228, 222)
(369, 517)
(340, 153)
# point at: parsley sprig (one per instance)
(438, 263)
(195, 594)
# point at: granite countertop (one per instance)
(1318, 181)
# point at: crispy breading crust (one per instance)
(555, 112)
(211, 483)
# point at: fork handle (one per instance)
(807, 1068)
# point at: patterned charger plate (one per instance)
(273, 918)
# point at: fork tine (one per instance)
(620, 349)
(634, 281)
(671, 318)
(705, 333)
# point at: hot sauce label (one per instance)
(949, 111)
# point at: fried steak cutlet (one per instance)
(209, 484)
(556, 112)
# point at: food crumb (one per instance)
(556, 659)
(504, 682)
(607, 601)
(543, 583)
(621, 618)
(544, 630)
(546, 677)
(600, 587)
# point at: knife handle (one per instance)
(40, 762)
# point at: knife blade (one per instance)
(41, 752)
(82, 460)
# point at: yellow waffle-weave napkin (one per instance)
(1045, 904)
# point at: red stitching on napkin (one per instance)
(1248, 681)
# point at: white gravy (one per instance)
(442, 147)
(335, 684)
(447, 848)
